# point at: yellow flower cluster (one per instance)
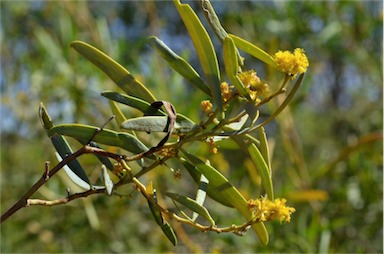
(266, 210)
(292, 63)
(226, 91)
(206, 106)
(212, 146)
(255, 87)
(170, 152)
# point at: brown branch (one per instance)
(23, 201)
(236, 229)
(61, 201)
(46, 176)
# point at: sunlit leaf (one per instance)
(164, 225)
(254, 51)
(229, 192)
(183, 123)
(264, 149)
(178, 64)
(204, 49)
(211, 191)
(104, 136)
(263, 170)
(232, 65)
(168, 231)
(192, 205)
(107, 180)
(157, 124)
(74, 178)
(131, 101)
(201, 193)
(114, 70)
(119, 116)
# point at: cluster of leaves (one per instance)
(234, 115)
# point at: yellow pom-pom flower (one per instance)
(266, 210)
(255, 87)
(206, 106)
(292, 63)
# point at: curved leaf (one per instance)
(263, 170)
(211, 191)
(107, 180)
(74, 177)
(164, 225)
(192, 205)
(178, 64)
(204, 49)
(201, 194)
(114, 70)
(264, 149)
(232, 65)
(104, 136)
(254, 51)
(157, 124)
(169, 233)
(229, 192)
(119, 116)
(131, 101)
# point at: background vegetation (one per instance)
(327, 151)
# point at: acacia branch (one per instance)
(61, 201)
(45, 177)
(23, 201)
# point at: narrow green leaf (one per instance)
(104, 136)
(232, 65)
(211, 191)
(254, 51)
(201, 194)
(157, 124)
(178, 64)
(155, 212)
(107, 180)
(168, 231)
(147, 124)
(114, 70)
(263, 170)
(264, 149)
(214, 21)
(119, 116)
(45, 118)
(229, 192)
(192, 205)
(164, 225)
(61, 145)
(204, 49)
(72, 176)
(131, 101)
(144, 106)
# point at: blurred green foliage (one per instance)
(330, 139)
